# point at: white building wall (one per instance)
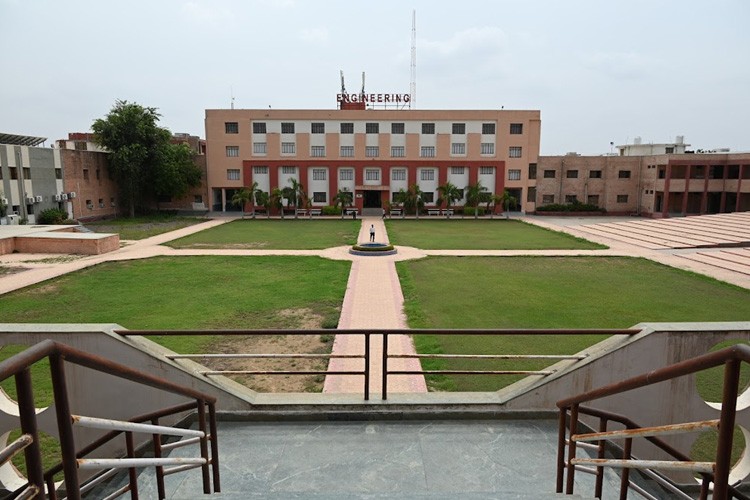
(347, 185)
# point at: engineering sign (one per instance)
(374, 98)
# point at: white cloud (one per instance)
(472, 41)
(628, 65)
(206, 13)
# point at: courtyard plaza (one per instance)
(434, 458)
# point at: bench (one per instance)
(395, 211)
(350, 211)
(433, 211)
(301, 211)
(315, 211)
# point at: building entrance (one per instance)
(371, 199)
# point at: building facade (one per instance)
(371, 153)
(655, 185)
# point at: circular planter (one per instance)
(373, 249)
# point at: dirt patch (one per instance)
(8, 270)
(277, 344)
(256, 245)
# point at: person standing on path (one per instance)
(372, 233)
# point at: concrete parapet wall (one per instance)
(85, 246)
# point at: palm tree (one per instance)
(241, 198)
(506, 201)
(413, 199)
(277, 200)
(264, 200)
(474, 196)
(296, 194)
(448, 193)
(343, 198)
(399, 200)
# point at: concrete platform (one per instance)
(416, 459)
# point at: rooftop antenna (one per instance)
(231, 95)
(413, 75)
(343, 88)
(363, 83)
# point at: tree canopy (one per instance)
(142, 161)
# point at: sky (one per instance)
(600, 71)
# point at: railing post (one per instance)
(159, 469)
(214, 447)
(561, 429)
(600, 454)
(132, 472)
(27, 414)
(367, 366)
(201, 407)
(571, 449)
(726, 429)
(385, 365)
(625, 475)
(65, 427)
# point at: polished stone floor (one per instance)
(405, 459)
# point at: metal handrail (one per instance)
(730, 357)
(19, 366)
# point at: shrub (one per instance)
(570, 207)
(469, 211)
(329, 210)
(52, 216)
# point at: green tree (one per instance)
(475, 194)
(246, 195)
(277, 200)
(448, 193)
(399, 199)
(264, 200)
(3, 205)
(295, 194)
(142, 161)
(344, 199)
(176, 173)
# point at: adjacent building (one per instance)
(373, 153)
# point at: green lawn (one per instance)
(487, 234)
(549, 292)
(288, 234)
(142, 227)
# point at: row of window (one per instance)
(371, 174)
(592, 199)
(260, 148)
(370, 128)
(593, 174)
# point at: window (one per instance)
(427, 152)
(428, 197)
(515, 152)
(26, 173)
(571, 174)
(595, 174)
(233, 174)
(398, 151)
(231, 128)
(14, 172)
(372, 128)
(549, 174)
(260, 170)
(570, 198)
(85, 175)
(458, 148)
(287, 128)
(398, 174)
(372, 174)
(397, 128)
(80, 145)
(457, 170)
(458, 128)
(233, 150)
(623, 174)
(318, 128)
(488, 128)
(318, 151)
(486, 170)
(593, 199)
(319, 174)
(259, 127)
(516, 128)
(428, 128)
(347, 128)
(288, 148)
(531, 194)
(319, 197)
(198, 198)
(622, 198)
(548, 199)
(101, 202)
(289, 170)
(394, 197)
(259, 148)
(514, 175)
(532, 170)
(346, 174)
(58, 173)
(372, 151)
(89, 204)
(669, 150)
(487, 148)
(427, 175)
(347, 151)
